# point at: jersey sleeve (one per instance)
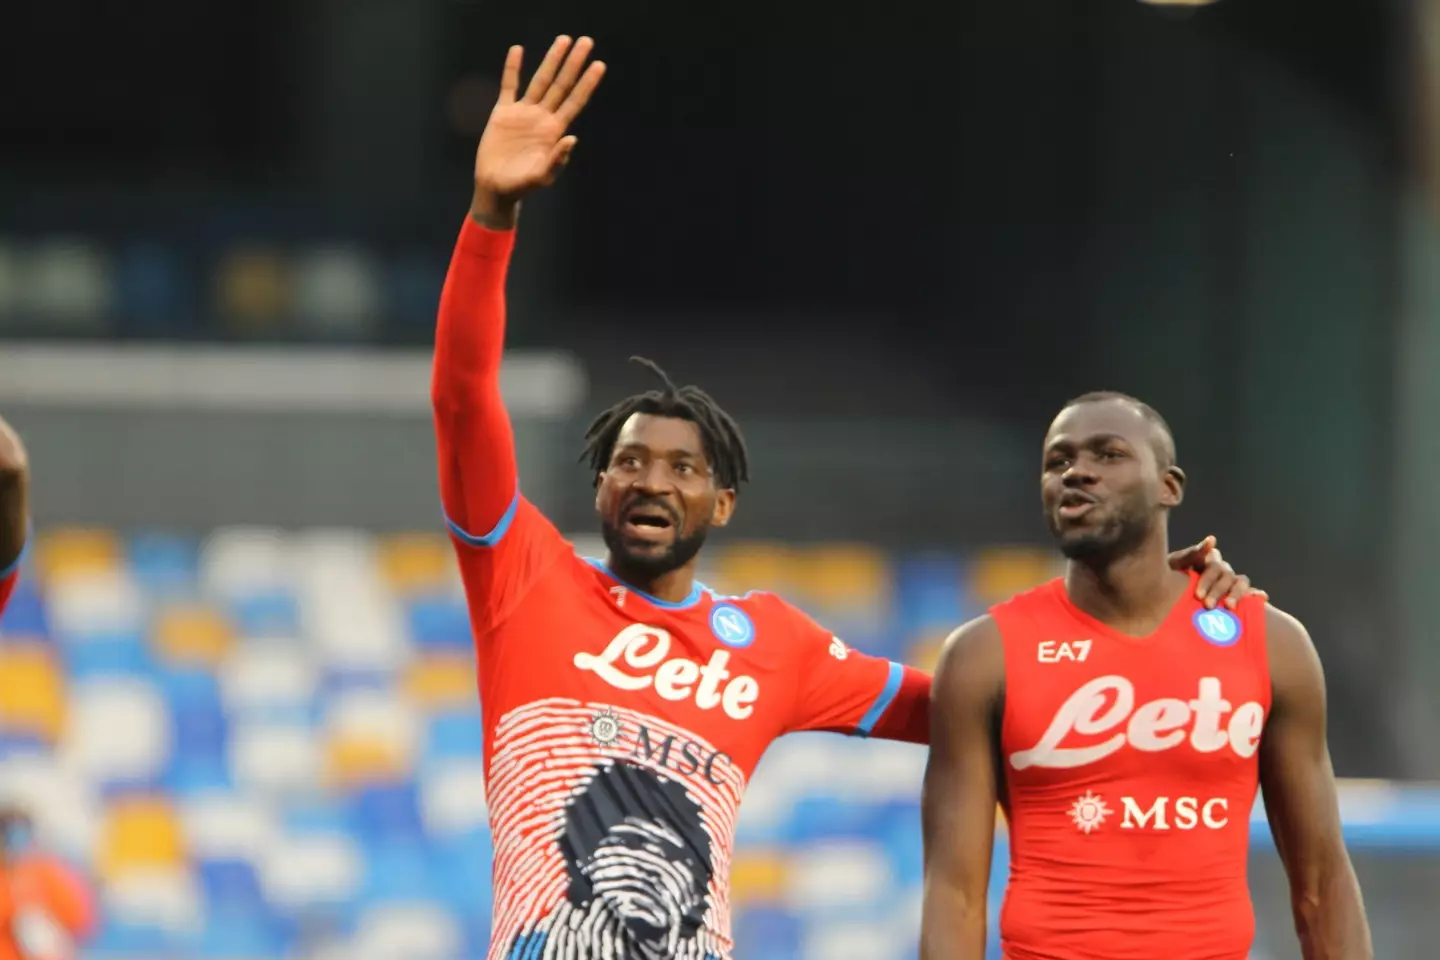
(845, 691)
(501, 539)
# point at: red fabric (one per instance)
(616, 725)
(1131, 766)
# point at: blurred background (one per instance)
(235, 683)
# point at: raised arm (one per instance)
(1298, 784)
(14, 493)
(524, 147)
(960, 792)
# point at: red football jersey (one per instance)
(7, 584)
(1130, 773)
(620, 730)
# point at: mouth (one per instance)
(1074, 504)
(649, 523)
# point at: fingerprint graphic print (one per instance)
(613, 836)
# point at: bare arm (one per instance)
(960, 792)
(1298, 782)
(14, 493)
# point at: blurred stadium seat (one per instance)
(269, 742)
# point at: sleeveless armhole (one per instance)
(1254, 621)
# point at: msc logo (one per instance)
(636, 659)
(838, 650)
(1187, 813)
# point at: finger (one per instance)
(1208, 581)
(561, 154)
(559, 157)
(510, 76)
(545, 74)
(580, 96)
(1238, 591)
(569, 73)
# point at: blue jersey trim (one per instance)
(697, 591)
(495, 535)
(882, 702)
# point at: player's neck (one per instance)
(1133, 592)
(674, 586)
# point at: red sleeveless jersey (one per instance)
(1130, 773)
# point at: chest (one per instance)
(1172, 705)
(709, 670)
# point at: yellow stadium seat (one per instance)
(32, 693)
(140, 833)
(435, 683)
(416, 562)
(1002, 572)
(753, 565)
(844, 576)
(76, 551)
(758, 876)
(352, 762)
(193, 634)
(924, 651)
(254, 288)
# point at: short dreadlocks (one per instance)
(724, 444)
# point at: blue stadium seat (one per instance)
(164, 564)
(389, 813)
(439, 623)
(397, 872)
(454, 734)
(122, 653)
(26, 615)
(269, 613)
(412, 290)
(767, 933)
(149, 282)
(244, 935)
(463, 870)
(928, 592)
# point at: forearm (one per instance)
(14, 493)
(952, 925)
(473, 432)
(1330, 918)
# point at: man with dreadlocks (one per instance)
(625, 704)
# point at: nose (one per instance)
(652, 479)
(1078, 475)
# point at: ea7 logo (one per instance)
(1054, 651)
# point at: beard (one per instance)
(1107, 541)
(647, 561)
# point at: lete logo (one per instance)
(636, 658)
(1152, 727)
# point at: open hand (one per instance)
(525, 144)
(1218, 580)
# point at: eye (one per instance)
(628, 462)
(684, 469)
(1112, 455)
(1057, 463)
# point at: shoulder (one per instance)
(972, 658)
(1044, 597)
(1294, 662)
